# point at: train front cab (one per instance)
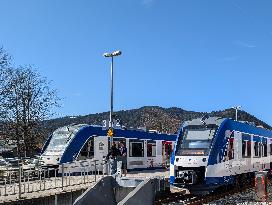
(238, 150)
(190, 157)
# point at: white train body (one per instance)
(79, 144)
(213, 152)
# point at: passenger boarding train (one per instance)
(77, 143)
(211, 152)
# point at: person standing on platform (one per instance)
(123, 157)
(113, 153)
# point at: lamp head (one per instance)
(115, 53)
(107, 55)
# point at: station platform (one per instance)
(68, 184)
(164, 173)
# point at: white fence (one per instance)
(18, 181)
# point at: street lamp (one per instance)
(111, 55)
(236, 111)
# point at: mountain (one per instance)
(166, 120)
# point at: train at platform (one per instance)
(214, 152)
(81, 143)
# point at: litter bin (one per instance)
(261, 186)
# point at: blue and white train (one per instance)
(80, 143)
(211, 152)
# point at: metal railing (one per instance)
(18, 181)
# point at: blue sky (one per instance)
(197, 55)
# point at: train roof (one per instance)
(205, 121)
(126, 133)
(241, 126)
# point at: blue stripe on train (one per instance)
(219, 180)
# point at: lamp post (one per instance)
(111, 55)
(236, 111)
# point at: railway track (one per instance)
(181, 198)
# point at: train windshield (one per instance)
(58, 141)
(61, 137)
(196, 141)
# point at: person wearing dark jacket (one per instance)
(113, 153)
(123, 157)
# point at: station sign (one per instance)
(116, 124)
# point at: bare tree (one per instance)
(4, 58)
(4, 63)
(26, 100)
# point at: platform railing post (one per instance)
(69, 181)
(103, 168)
(5, 186)
(24, 173)
(20, 178)
(84, 180)
(44, 179)
(27, 181)
(95, 170)
(62, 176)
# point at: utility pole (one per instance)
(236, 111)
(111, 55)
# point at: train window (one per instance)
(229, 154)
(151, 148)
(248, 149)
(257, 149)
(59, 140)
(270, 149)
(265, 150)
(136, 148)
(264, 147)
(118, 140)
(260, 149)
(87, 150)
(246, 146)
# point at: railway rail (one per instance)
(188, 199)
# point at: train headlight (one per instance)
(177, 159)
(204, 159)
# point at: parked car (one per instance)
(3, 168)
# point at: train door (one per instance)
(152, 153)
(270, 152)
(264, 155)
(166, 152)
(229, 152)
(137, 157)
(237, 163)
(257, 153)
(246, 152)
(100, 147)
(117, 141)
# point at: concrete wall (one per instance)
(102, 193)
(67, 198)
(144, 193)
(122, 192)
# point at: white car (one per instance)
(3, 168)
